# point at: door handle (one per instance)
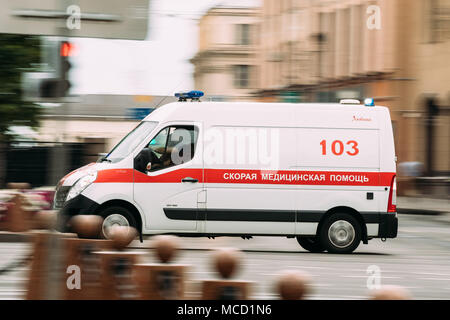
(189, 179)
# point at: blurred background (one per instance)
(72, 85)
(77, 75)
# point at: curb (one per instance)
(420, 211)
(6, 236)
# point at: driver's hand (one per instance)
(159, 150)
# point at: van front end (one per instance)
(69, 198)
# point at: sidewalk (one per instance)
(419, 205)
(437, 209)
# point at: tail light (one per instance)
(392, 202)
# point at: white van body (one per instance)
(275, 169)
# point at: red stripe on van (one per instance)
(251, 177)
(172, 176)
(130, 176)
(115, 176)
(299, 177)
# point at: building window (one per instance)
(439, 20)
(243, 34)
(241, 76)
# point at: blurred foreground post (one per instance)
(47, 271)
(18, 219)
(81, 264)
(18, 185)
(80, 257)
(390, 292)
(162, 281)
(2, 161)
(117, 268)
(293, 285)
(22, 214)
(226, 261)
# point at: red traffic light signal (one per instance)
(67, 49)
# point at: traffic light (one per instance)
(52, 82)
(65, 51)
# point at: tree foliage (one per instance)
(18, 53)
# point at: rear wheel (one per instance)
(340, 233)
(311, 244)
(116, 216)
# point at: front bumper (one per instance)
(78, 205)
(388, 227)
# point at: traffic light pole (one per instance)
(59, 167)
(432, 112)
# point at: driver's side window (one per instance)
(172, 146)
(158, 143)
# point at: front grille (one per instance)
(60, 197)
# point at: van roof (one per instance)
(258, 111)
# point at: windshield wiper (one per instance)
(104, 159)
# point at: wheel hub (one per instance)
(111, 221)
(341, 233)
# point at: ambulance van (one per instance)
(321, 173)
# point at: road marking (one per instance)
(6, 280)
(309, 267)
(382, 270)
(338, 297)
(436, 279)
(433, 274)
(278, 274)
(322, 285)
(366, 276)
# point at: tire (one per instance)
(340, 233)
(116, 215)
(311, 244)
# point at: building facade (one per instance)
(226, 64)
(392, 50)
(101, 119)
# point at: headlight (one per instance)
(81, 184)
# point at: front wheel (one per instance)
(116, 216)
(340, 233)
(311, 244)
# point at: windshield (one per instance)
(130, 141)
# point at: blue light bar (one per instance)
(369, 102)
(194, 95)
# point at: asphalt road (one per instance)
(419, 260)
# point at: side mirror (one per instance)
(101, 155)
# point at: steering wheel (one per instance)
(144, 157)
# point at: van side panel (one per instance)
(236, 160)
(329, 156)
(348, 151)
